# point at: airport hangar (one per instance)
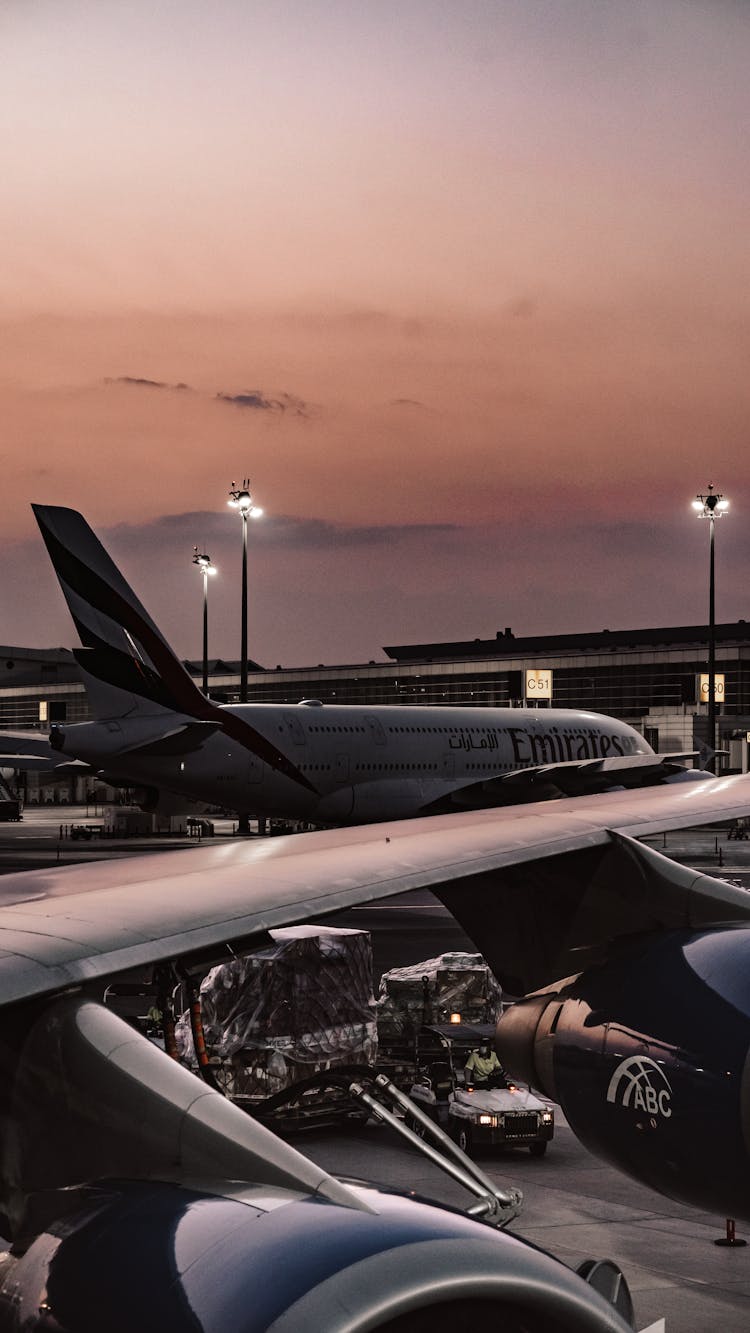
(650, 678)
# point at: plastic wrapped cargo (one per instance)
(430, 991)
(303, 1004)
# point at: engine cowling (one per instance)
(140, 1199)
(648, 1056)
(153, 1257)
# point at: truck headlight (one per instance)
(487, 1120)
(547, 1117)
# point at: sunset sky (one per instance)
(462, 287)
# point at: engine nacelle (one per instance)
(370, 802)
(140, 1201)
(647, 1055)
(152, 1256)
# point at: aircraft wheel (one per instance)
(538, 1149)
(464, 1138)
(416, 1127)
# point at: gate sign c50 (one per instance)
(539, 684)
(718, 689)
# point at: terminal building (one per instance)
(655, 679)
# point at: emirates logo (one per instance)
(639, 1084)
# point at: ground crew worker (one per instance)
(483, 1069)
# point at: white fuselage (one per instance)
(346, 764)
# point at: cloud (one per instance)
(256, 401)
(281, 531)
(139, 382)
(319, 534)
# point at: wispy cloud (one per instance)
(254, 399)
(138, 381)
(282, 530)
(407, 402)
(257, 401)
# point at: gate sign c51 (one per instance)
(718, 689)
(539, 684)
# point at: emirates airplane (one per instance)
(154, 729)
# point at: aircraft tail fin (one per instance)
(128, 666)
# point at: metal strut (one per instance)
(495, 1206)
(196, 1027)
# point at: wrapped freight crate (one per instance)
(430, 991)
(301, 1005)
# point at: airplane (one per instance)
(137, 1197)
(319, 763)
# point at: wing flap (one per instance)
(573, 777)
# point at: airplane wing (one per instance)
(66, 926)
(573, 777)
(110, 1146)
(35, 754)
(35, 763)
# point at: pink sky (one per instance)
(478, 270)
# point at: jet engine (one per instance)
(138, 1198)
(155, 1257)
(648, 1055)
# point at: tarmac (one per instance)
(575, 1206)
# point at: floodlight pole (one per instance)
(711, 506)
(203, 563)
(240, 498)
(711, 646)
(243, 633)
